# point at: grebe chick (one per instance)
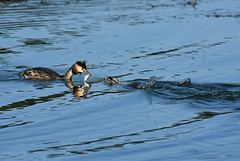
(134, 84)
(48, 74)
(141, 84)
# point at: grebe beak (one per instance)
(85, 71)
(87, 74)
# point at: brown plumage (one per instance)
(48, 74)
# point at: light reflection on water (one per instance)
(132, 40)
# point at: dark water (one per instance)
(133, 40)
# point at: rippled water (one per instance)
(132, 40)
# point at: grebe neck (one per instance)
(68, 75)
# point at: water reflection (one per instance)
(78, 91)
(32, 101)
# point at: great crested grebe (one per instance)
(48, 74)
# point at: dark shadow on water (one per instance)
(183, 49)
(32, 101)
(15, 124)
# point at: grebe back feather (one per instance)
(45, 73)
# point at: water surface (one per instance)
(132, 40)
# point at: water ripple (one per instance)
(129, 139)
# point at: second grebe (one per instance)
(134, 84)
(48, 74)
(141, 84)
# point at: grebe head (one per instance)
(80, 67)
(111, 80)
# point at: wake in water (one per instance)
(212, 94)
(207, 95)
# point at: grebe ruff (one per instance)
(48, 74)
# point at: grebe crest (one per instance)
(79, 67)
(48, 74)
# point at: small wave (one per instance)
(213, 95)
